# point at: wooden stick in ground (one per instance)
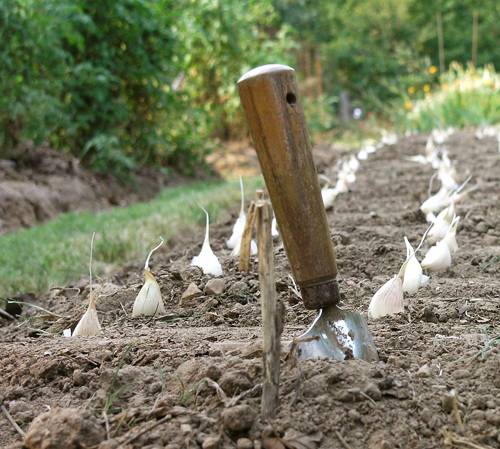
(270, 317)
(246, 239)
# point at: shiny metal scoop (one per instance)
(338, 334)
(271, 100)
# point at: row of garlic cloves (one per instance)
(441, 232)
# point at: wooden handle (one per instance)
(270, 98)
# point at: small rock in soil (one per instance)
(482, 227)
(191, 273)
(66, 428)
(211, 442)
(244, 443)
(424, 371)
(238, 418)
(238, 287)
(191, 292)
(193, 370)
(234, 382)
(215, 286)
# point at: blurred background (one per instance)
(133, 103)
(127, 83)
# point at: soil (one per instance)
(191, 379)
(37, 183)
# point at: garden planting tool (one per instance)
(269, 96)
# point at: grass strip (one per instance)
(55, 253)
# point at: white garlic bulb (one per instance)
(388, 299)
(207, 260)
(437, 258)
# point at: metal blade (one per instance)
(338, 334)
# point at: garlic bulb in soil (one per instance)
(413, 277)
(353, 163)
(430, 217)
(239, 225)
(274, 228)
(441, 224)
(207, 260)
(389, 138)
(341, 186)
(89, 325)
(362, 154)
(451, 236)
(437, 258)
(446, 175)
(328, 194)
(148, 301)
(253, 249)
(437, 201)
(388, 299)
(370, 148)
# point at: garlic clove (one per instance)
(237, 249)
(148, 301)
(441, 224)
(274, 228)
(341, 186)
(207, 260)
(89, 325)
(354, 163)
(329, 195)
(412, 278)
(362, 154)
(451, 236)
(437, 201)
(430, 217)
(388, 299)
(370, 148)
(238, 228)
(239, 225)
(437, 258)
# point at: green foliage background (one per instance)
(126, 82)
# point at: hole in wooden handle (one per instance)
(291, 98)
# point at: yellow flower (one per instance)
(408, 105)
(411, 90)
(427, 88)
(433, 69)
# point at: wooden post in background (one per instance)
(271, 327)
(474, 37)
(440, 36)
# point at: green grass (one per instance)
(55, 253)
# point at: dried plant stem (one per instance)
(452, 439)
(246, 239)
(146, 265)
(270, 317)
(146, 430)
(342, 440)
(90, 262)
(11, 420)
(7, 315)
(38, 308)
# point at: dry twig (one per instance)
(342, 441)
(11, 420)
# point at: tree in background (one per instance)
(126, 82)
